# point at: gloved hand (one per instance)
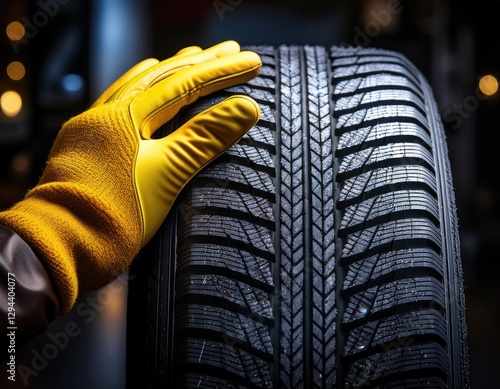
(107, 186)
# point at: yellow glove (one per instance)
(108, 186)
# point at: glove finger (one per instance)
(158, 104)
(126, 77)
(188, 51)
(164, 166)
(187, 58)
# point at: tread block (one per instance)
(238, 263)
(225, 326)
(396, 331)
(388, 206)
(226, 293)
(360, 187)
(221, 360)
(405, 295)
(382, 267)
(411, 362)
(381, 134)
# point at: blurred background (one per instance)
(57, 56)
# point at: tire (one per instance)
(321, 250)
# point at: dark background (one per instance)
(73, 49)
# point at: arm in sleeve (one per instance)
(31, 295)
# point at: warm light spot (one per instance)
(15, 31)
(488, 85)
(16, 70)
(21, 163)
(11, 103)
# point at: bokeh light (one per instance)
(21, 163)
(16, 70)
(15, 31)
(11, 103)
(488, 85)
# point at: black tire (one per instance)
(320, 251)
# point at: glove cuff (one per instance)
(70, 229)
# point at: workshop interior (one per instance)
(59, 55)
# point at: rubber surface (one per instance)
(322, 250)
